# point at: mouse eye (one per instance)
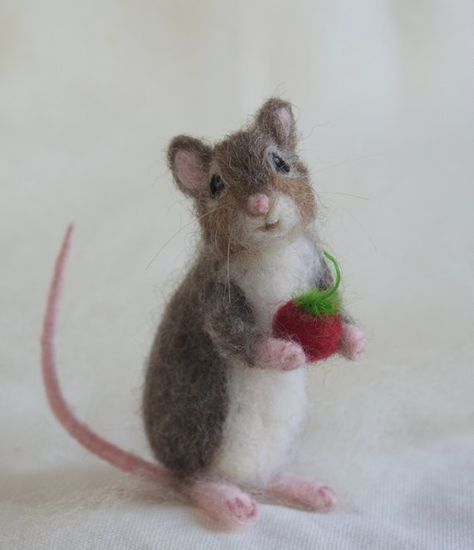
(280, 165)
(216, 186)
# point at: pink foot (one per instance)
(279, 354)
(353, 342)
(299, 491)
(226, 504)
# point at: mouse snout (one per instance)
(258, 204)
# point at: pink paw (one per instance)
(278, 354)
(322, 499)
(242, 508)
(303, 493)
(353, 342)
(225, 504)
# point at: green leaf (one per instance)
(318, 303)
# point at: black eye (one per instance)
(280, 165)
(216, 185)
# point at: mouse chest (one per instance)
(276, 275)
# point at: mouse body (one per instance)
(224, 398)
(211, 405)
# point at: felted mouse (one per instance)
(225, 390)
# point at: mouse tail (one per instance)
(109, 452)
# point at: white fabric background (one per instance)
(90, 94)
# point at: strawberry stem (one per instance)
(322, 303)
(333, 289)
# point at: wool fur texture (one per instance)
(224, 398)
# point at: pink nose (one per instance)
(258, 204)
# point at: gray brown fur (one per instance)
(206, 323)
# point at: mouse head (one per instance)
(251, 188)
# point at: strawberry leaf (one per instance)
(318, 303)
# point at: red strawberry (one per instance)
(313, 320)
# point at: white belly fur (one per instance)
(266, 407)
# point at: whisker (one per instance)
(343, 162)
(362, 198)
(362, 228)
(155, 256)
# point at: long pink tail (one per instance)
(123, 460)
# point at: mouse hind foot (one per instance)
(229, 507)
(301, 492)
(223, 503)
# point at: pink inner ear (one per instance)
(286, 121)
(188, 170)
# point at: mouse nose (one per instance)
(258, 204)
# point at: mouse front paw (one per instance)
(278, 354)
(353, 342)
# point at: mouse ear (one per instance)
(275, 118)
(189, 159)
